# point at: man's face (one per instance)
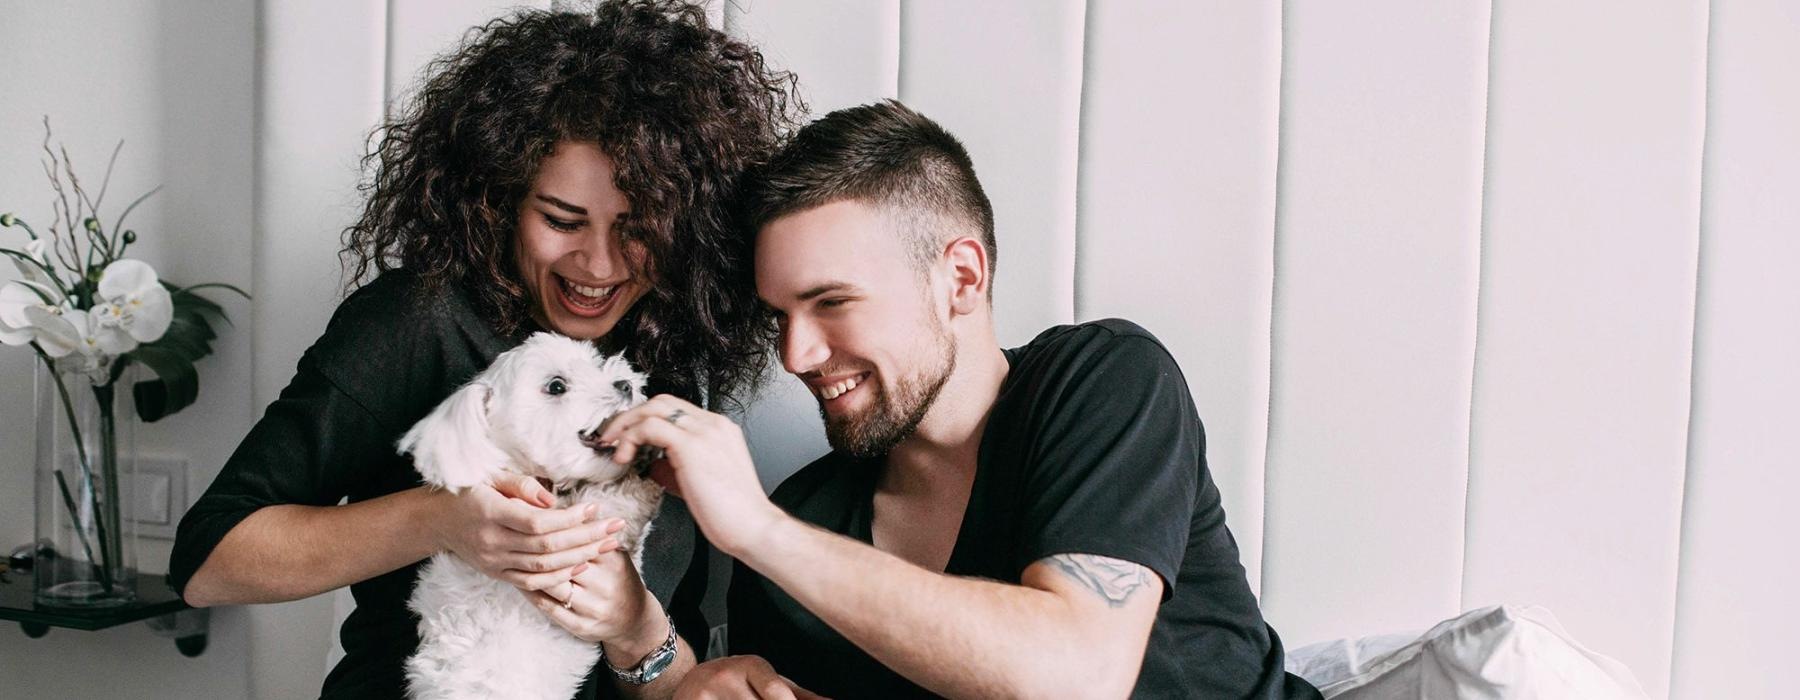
(859, 324)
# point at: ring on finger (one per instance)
(675, 416)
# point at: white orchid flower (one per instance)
(17, 300)
(15, 329)
(59, 331)
(133, 307)
(38, 249)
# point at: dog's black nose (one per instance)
(591, 440)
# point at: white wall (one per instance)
(1480, 302)
(175, 81)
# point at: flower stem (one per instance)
(69, 503)
(87, 472)
(112, 548)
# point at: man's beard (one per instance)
(891, 419)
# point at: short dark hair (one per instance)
(681, 109)
(887, 155)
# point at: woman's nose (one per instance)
(600, 255)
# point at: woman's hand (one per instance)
(606, 603)
(510, 532)
(739, 678)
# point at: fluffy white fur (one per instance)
(479, 638)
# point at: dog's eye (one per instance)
(623, 386)
(557, 386)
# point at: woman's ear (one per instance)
(966, 260)
(451, 447)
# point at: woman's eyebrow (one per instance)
(562, 204)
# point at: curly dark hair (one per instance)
(681, 109)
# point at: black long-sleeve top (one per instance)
(390, 353)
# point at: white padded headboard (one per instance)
(1481, 302)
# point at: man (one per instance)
(1035, 522)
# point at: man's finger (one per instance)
(658, 433)
(774, 688)
(659, 407)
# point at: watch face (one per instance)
(652, 665)
(656, 664)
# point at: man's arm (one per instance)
(1076, 624)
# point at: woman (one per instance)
(561, 171)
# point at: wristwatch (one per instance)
(652, 665)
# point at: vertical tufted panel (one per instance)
(845, 54)
(420, 30)
(1375, 283)
(1587, 308)
(1005, 77)
(1735, 611)
(1390, 254)
(1177, 211)
(315, 110)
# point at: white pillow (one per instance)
(1506, 651)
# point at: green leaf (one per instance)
(176, 386)
(190, 302)
(221, 285)
(172, 357)
(191, 336)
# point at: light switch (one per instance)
(152, 499)
(161, 495)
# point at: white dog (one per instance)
(536, 411)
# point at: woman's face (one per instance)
(580, 278)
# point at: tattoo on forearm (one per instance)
(1113, 580)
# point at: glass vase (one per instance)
(86, 468)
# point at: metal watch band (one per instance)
(652, 665)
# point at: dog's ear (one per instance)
(451, 447)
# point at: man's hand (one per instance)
(705, 462)
(739, 678)
(510, 532)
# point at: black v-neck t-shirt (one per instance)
(1093, 446)
(392, 352)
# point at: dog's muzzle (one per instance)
(640, 465)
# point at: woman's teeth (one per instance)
(585, 295)
(840, 388)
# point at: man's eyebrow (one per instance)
(825, 288)
(562, 205)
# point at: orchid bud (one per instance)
(8, 219)
(92, 225)
(130, 236)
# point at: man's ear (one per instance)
(451, 447)
(966, 260)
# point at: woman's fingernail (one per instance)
(578, 569)
(590, 511)
(615, 525)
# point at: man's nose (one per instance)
(802, 347)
